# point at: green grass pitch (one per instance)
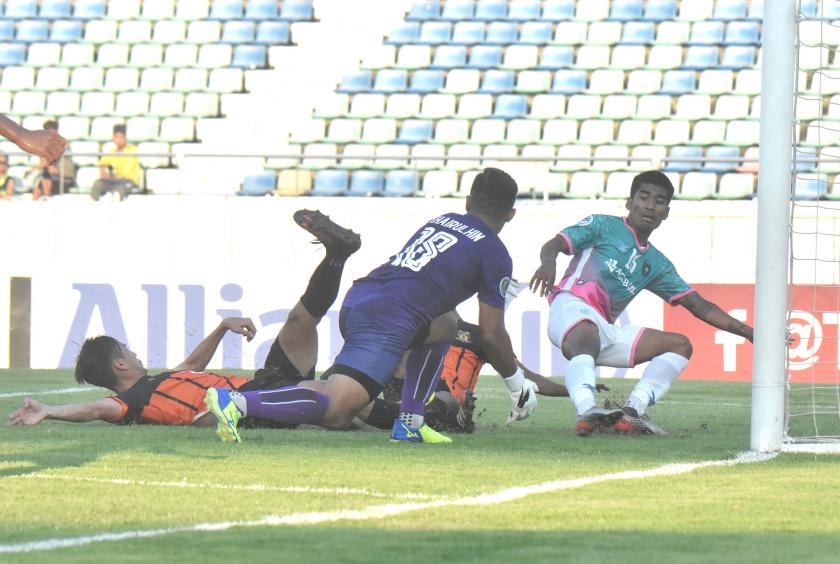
(69, 481)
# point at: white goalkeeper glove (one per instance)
(523, 396)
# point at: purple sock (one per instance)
(293, 405)
(422, 371)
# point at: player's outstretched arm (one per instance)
(543, 279)
(201, 355)
(709, 312)
(33, 412)
(43, 143)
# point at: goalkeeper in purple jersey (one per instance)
(407, 304)
(612, 261)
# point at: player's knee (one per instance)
(682, 346)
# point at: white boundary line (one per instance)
(238, 487)
(74, 390)
(382, 511)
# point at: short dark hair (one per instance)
(493, 193)
(119, 128)
(51, 124)
(94, 365)
(652, 177)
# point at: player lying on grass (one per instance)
(176, 397)
(407, 304)
(612, 262)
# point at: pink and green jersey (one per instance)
(610, 267)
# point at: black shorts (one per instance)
(277, 372)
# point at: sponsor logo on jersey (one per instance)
(503, 286)
(646, 268)
(612, 266)
(585, 221)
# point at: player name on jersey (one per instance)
(455, 225)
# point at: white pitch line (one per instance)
(238, 487)
(388, 510)
(75, 390)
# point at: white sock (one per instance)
(580, 380)
(656, 380)
(240, 403)
(412, 420)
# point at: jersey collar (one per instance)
(641, 247)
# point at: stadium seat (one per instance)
(741, 133)
(715, 81)
(491, 10)
(344, 130)
(379, 130)
(736, 186)
(389, 80)
(707, 33)
(738, 56)
(85, 78)
(366, 105)
(29, 103)
(261, 10)
(401, 183)
(559, 131)
(156, 79)
(573, 157)
(468, 33)
(413, 57)
(532, 82)
(414, 131)
(359, 81)
(523, 10)
(220, 80)
(113, 55)
(670, 33)
(238, 31)
(401, 106)
(696, 10)
(569, 81)
(492, 154)
(226, 9)
(497, 81)
(509, 106)
(535, 33)
(407, 32)
(164, 104)
(449, 56)
(830, 161)
(188, 80)
(558, 10)
(366, 183)
(701, 57)
(180, 55)
(638, 33)
(592, 57)
(383, 56)
(53, 78)
(244, 56)
(812, 57)
(671, 132)
(425, 10)
(635, 132)
(12, 54)
(355, 156)
(487, 131)
(518, 57)
(818, 133)
(501, 33)
(135, 31)
(693, 106)
(664, 57)
(435, 33)
(17, 78)
(708, 132)
(450, 131)
(121, 79)
(654, 106)
(523, 132)
(592, 10)
(261, 184)
(330, 183)
(619, 106)
(141, 128)
(604, 33)
(438, 183)
(21, 8)
(659, 10)
(485, 57)
(570, 33)
(458, 81)
(318, 156)
(678, 82)
(54, 9)
(475, 106)
(683, 159)
(463, 157)
(89, 9)
(618, 185)
(458, 10)
(7, 30)
(728, 107)
(437, 106)
(79, 148)
(625, 10)
(583, 106)
(585, 185)
(606, 81)
(391, 157)
(426, 156)
(29, 31)
(556, 57)
(297, 10)
(644, 82)
(654, 154)
(203, 32)
(731, 154)
(746, 33)
(124, 9)
(697, 186)
(596, 131)
(146, 55)
(132, 104)
(548, 106)
(101, 31)
(730, 10)
(159, 10)
(612, 155)
(169, 31)
(177, 130)
(628, 57)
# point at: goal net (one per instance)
(813, 313)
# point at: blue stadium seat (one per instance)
(408, 32)
(510, 106)
(809, 8)
(558, 10)
(638, 33)
(458, 10)
(523, 10)
(738, 57)
(258, 184)
(569, 81)
(90, 9)
(297, 10)
(249, 56)
(261, 9)
(706, 33)
(730, 10)
(497, 81)
(33, 30)
(401, 183)
(415, 131)
(238, 31)
(659, 10)
(449, 56)
(12, 54)
(501, 33)
(21, 8)
(678, 82)
(701, 57)
(485, 57)
(536, 33)
(625, 10)
(830, 10)
(681, 151)
(426, 80)
(54, 9)
(756, 10)
(468, 33)
(806, 159)
(435, 33)
(491, 10)
(557, 57)
(360, 81)
(66, 31)
(330, 183)
(390, 80)
(226, 10)
(366, 183)
(744, 33)
(719, 151)
(7, 30)
(424, 10)
(812, 187)
(273, 32)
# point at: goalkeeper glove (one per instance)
(523, 396)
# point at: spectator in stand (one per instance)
(56, 177)
(7, 183)
(119, 173)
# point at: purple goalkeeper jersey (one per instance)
(448, 260)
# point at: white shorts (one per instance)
(618, 344)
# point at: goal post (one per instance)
(773, 232)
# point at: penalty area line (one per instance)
(387, 510)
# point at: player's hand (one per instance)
(32, 413)
(43, 143)
(543, 279)
(240, 325)
(522, 402)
